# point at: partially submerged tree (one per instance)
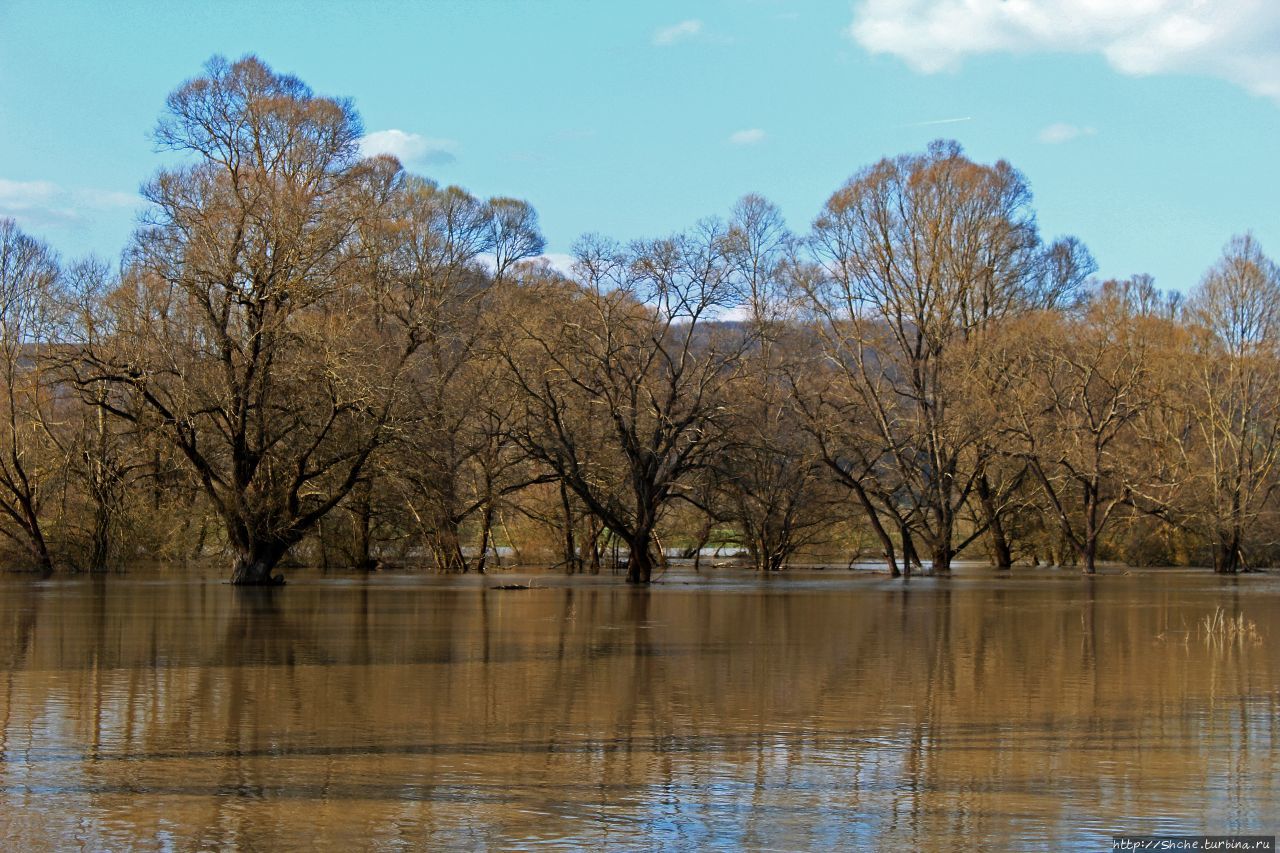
(621, 377)
(447, 459)
(1081, 384)
(768, 477)
(921, 254)
(1232, 392)
(296, 330)
(31, 460)
(248, 323)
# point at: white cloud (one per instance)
(747, 137)
(560, 262)
(1060, 132)
(1235, 40)
(664, 36)
(24, 195)
(43, 204)
(408, 147)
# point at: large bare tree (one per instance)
(921, 254)
(254, 324)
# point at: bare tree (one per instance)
(621, 377)
(1232, 377)
(1081, 384)
(768, 475)
(447, 458)
(922, 253)
(248, 324)
(31, 461)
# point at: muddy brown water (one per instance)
(811, 711)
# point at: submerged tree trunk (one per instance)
(362, 528)
(570, 548)
(486, 538)
(639, 559)
(1089, 553)
(886, 541)
(43, 561)
(1226, 553)
(768, 555)
(1002, 554)
(446, 547)
(704, 536)
(40, 556)
(104, 490)
(253, 566)
(589, 546)
(910, 559)
(1001, 550)
(28, 520)
(100, 538)
(942, 560)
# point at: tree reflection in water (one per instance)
(801, 712)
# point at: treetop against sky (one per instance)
(1148, 129)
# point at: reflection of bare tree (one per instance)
(762, 712)
(18, 616)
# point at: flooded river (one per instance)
(811, 711)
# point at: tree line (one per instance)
(307, 354)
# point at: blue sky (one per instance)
(1150, 128)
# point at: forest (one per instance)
(308, 357)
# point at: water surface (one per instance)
(824, 710)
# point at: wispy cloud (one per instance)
(934, 121)
(665, 36)
(750, 136)
(1236, 40)
(44, 204)
(19, 196)
(409, 148)
(1059, 132)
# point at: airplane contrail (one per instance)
(939, 121)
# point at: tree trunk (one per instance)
(704, 536)
(1089, 556)
(941, 560)
(757, 549)
(910, 559)
(886, 542)
(101, 481)
(639, 559)
(44, 563)
(589, 548)
(362, 512)
(1002, 553)
(446, 547)
(1226, 554)
(253, 566)
(100, 538)
(486, 537)
(1001, 550)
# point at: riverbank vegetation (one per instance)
(308, 355)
